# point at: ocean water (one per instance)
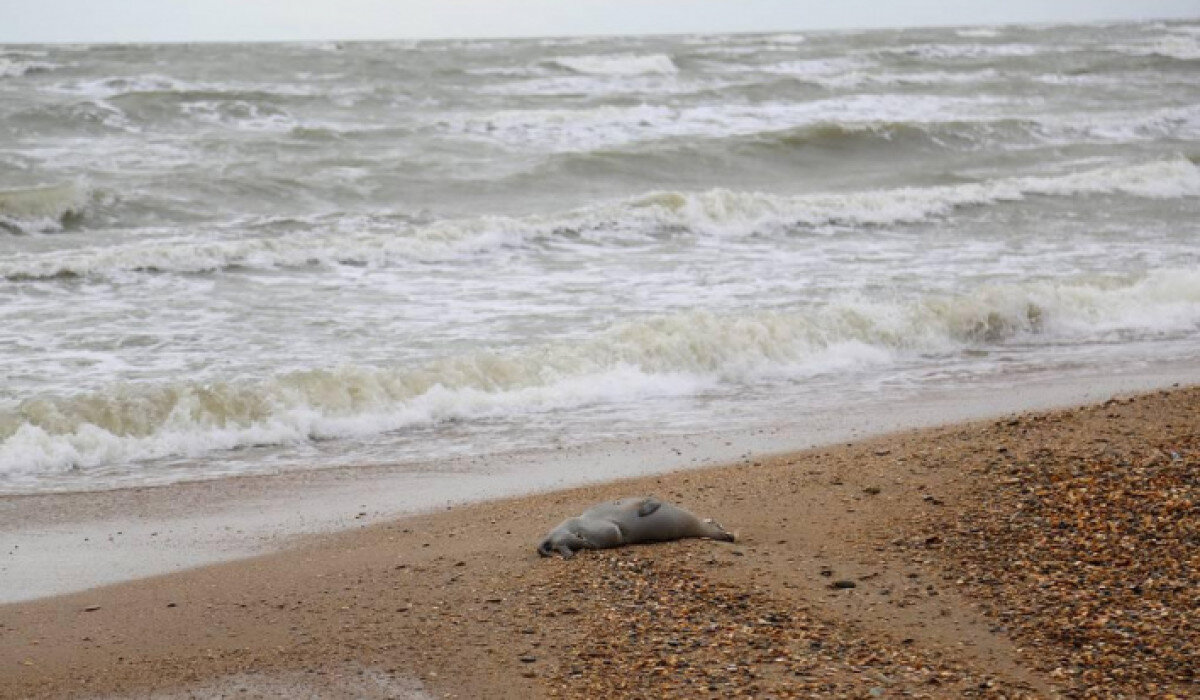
(246, 258)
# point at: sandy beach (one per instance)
(1040, 554)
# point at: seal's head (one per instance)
(546, 548)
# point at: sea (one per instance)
(230, 259)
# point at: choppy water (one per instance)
(218, 259)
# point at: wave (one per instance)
(741, 212)
(675, 355)
(1182, 123)
(978, 33)
(811, 68)
(889, 122)
(1180, 46)
(150, 85)
(12, 67)
(925, 78)
(783, 39)
(608, 126)
(617, 64)
(940, 52)
(858, 71)
(42, 209)
(593, 86)
(717, 212)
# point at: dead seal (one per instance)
(628, 521)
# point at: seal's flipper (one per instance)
(648, 506)
(599, 534)
(566, 551)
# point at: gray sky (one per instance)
(273, 20)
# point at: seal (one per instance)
(634, 520)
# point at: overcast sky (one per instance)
(275, 20)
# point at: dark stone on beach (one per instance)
(527, 659)
(844, 583)
(91, 608)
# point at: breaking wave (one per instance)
(712, 213)
(618, 64)
(978, 33)
(676, 355)
(42, 209)
(13, 67)
(575, 130)
(941, 52)
(1180, 42)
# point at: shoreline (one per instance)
(59, 543)
(857, 568)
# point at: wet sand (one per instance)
(1038, 554)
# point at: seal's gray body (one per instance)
(627, 521)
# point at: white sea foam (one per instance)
(1123, 126)
(790, 39)
(844, 72)
(107, 87)
(806, 68)
(1183, 46)
(978, 33)
(859, 78)
(592, 86)
(939, 52)
(242, 114)
(674, 355)
(618, 64)
(367, 241)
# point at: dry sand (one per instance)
(1041, 555)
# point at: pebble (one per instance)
(1087, 558)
